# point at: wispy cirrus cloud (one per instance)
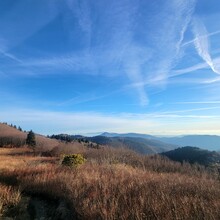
(193, 109)
(205, 65)
(202, 43)
(68, 62)
(81, 10)
(207, 35)
(4, 53)
(25, 21)
(84, 98)
(165, 49)
(116, 52)
(199, 102)
(10, 56)
(168, 43)
(110, 57)
(112, 43)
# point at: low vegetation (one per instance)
(13, 136)
(9, 197)
(106, 183)
(111, 184)
(73, 160)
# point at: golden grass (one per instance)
(116, 184)
(7, 131)
(123, 192)
(14, 137)
(9, 196)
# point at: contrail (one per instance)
(201, 43)
(207, 35)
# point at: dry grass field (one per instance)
(14, 137)
(112, 184)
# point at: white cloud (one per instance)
(201, 36)
(121, 49)
(76, 122)
(194, 68)
(199, 102)
(49, 122)
(3, 51)
(202, 43)
(112, 43)
(178, 15)
(166, 47)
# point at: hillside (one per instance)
(10, 136)
(209, 142)
(137, 144)
(140, 145)
(194, 155)
(114, 183)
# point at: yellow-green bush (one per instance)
(73, 160)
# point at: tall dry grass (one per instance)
(118, 184)
(9, 197)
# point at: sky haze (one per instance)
(83, 66)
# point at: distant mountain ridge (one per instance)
(137, 143)
(194, 155)
(135, 135)
(209, 142)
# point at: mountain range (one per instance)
(138, 144)
(142, 143)
(209, 142)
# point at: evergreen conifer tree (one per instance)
(30, 140)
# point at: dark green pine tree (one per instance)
(31, 141)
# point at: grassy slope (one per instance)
(112, 184)
(140, 145)
(7, 131)
(19, 136)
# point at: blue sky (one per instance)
(80, 66)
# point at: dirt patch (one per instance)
(38, 208)
(44, 209)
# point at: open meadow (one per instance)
(111, 184)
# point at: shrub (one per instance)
(73, 160)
